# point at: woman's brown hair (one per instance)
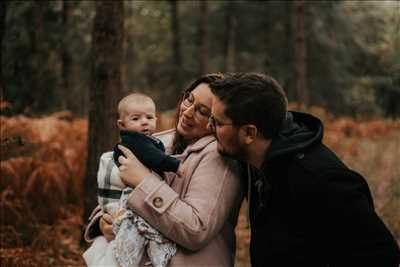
(179, 144)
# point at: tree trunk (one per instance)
(128, 78)
(289, 82)
(3, 13)
(203, 38)
(230, 44)
(177, 53)
(66, 94)
(36, 32)
(106, 58)
(300, 53)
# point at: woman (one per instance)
(199, 210)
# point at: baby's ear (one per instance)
(120, 124)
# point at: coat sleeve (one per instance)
(358, 236)
(92, 230)
(197, 217)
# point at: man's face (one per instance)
(227, 134)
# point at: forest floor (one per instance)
(42, 167)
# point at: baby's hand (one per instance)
(106, 226)
(119, 213)
(180, 172)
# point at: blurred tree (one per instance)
(127, 51)
(387, 81)
(288, 83)
(65, 91)
(16, 46)
(105, 90)
(36, 32)
(203, 38)
(300, 52)
(230, 39)
(348, 44)
(3, 14)
(176, 48)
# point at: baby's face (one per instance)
(138, 117)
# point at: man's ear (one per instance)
(120, 124)
(248, 133)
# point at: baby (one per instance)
(133, 235)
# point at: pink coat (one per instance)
(199, 210)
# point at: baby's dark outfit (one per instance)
(149, 150)
(133, 233)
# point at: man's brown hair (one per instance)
(253, 98)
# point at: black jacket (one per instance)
(308, 209)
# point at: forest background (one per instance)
(65, 64)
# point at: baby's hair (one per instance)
(135, 97)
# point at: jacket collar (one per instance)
(197, 146)
(300, 131)
(200, 144)
(167, 137)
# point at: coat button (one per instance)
(158, 202)
(300, 156)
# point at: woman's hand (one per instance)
(131, 171)
(106, 226)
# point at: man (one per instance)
(306, 207)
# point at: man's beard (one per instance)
(237, 153)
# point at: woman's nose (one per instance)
(189, 111)
(210, 127)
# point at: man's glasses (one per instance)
(200, 111)
(213, 123)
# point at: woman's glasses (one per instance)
(200, 111)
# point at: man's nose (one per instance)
(144, 121)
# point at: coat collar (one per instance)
(198, 145)
(167, 137)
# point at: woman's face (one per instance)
(194, 112)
